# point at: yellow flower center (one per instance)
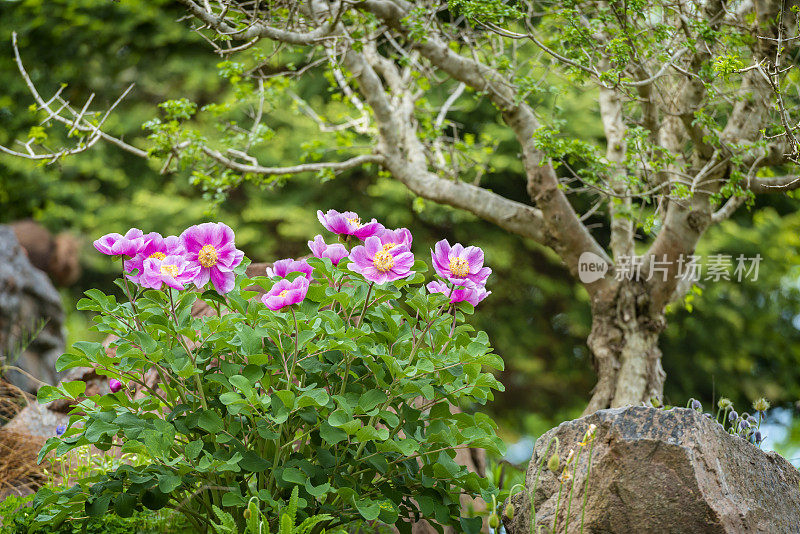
(283, 293)
(383, 261)
(207, 256)
(459, 267)
(355, 222)
(171, 270)
(389, 246)
(157, 255)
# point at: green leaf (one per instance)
(338, 418)
(250, 341)
(98, 506)
(168, 483)
(210, 422)
(318, 397)
(371, 399)
(74, 389)
(331, 434)
(368, 509)
(294, 475)
(193, 448)
(253, 463)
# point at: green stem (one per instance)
(128, 293)
(558, 503)
(572, 488)
(536, 480)
(296, 335)
(364, 309)
(586, 484)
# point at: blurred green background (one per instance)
(740, 340)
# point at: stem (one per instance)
(558, 502)
(197, 381)
(536, 481)
(572, 488)
(364, 309)
(586, 484)
(128, 293)
(428, 326)
(296, 335)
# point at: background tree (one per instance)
(692, 105)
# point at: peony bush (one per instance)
(342, 378)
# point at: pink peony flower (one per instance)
(349, 223)
(284, 267)
(401, 236)
(320, 249)
(459, 265)
(118, 245)
(211, 246)
(114, 385)
(472, 293)
(174, 270)
(286, 293)
(154, 246)
(380, 265)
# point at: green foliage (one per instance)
(18, 517)
(485, 10)
(345, 400)
(741, 337)
(257, 523)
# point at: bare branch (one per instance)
(356, 161)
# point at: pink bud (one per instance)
(114, 385)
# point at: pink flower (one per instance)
(211, 246)
(286, 293)
(472, 293)
(322, 250)
(175, 271)
(401, 236)
(459, 265)
(348, 223)
(378, 264)
(118, 245)
(114, 385)
(284, 267)
(154, 246)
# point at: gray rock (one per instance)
(27, 297)
(666, 471)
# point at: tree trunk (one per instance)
(624, 345)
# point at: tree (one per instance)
(692, 100)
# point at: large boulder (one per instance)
(658, 470)
(27, 299)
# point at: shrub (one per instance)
(18, 518)
(339, 384)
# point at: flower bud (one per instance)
(758, 437)
(724, 403)
(695, 404)
(494, 520)
(246, 513)
(509, 511)
(752, 421)
(762, 405)
(114, 385)
(553, 462)
(60, 429)
(733, 416)
(743, 424)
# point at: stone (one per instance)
(57, 255)
(653, 470)
(28, 300)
